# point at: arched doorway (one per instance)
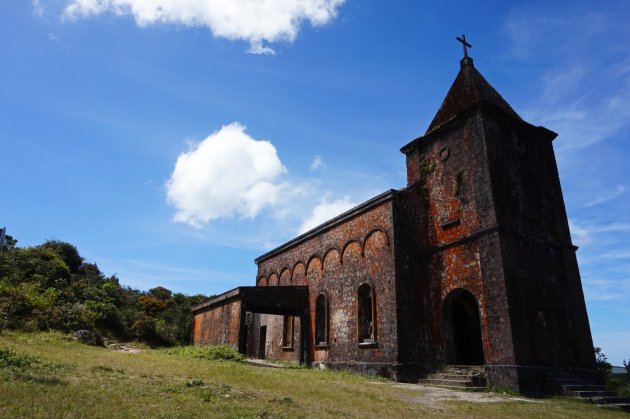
(462, 329)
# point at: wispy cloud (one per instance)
(584, 232)
(145, 274)
(38, 9)
(619, 190)
(620, 254)
(258, 22)
(598, 289)
(583, 100)
(317, 163)
(325, 211)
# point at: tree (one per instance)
(601, 362)
(68, 253)
(9, 242)
(161, 293)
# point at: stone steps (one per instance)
(448, 382)
(457, 377)
(582, 388)
(592, 394)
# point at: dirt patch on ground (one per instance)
(116, 346)
(434, 396)
(263, 363)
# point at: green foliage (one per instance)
(161, 293)
(9, 242)
(51, 287)
(218, 352)
(618, 384)
(9, 358)
(626, 365)
(67, 252)
(602, 363)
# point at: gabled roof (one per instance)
(468, 89)
(340, 219)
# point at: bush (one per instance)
(66, 318)
(218, 352)
(626, 365)
(67, 252)
(9, 358)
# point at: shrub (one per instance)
(66, 318)
(9, 358)
(212, 352)
(144, 329)
(68, 253)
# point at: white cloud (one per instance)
(255, 21)
(317, 163)
(580, 234)
(619, 254)
(38, 9)
(585, 232)
(612, 195)
(324, 212)
(227, 174)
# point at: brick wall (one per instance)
(218, 325)
(335, 262)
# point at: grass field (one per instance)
(47, 375)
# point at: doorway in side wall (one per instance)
(262, 342)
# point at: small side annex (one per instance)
(224, 319)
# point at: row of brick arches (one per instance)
(373, 241)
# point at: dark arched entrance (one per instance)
(462, 330)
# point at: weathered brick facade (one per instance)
(471, 263)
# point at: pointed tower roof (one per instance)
(468, 89)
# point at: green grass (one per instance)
(216, 353)
(63, 378)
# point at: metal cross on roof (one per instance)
(465, 44)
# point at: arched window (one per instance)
(367, 315)
(287, 333)
(321, 321)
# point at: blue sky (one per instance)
(173, 142)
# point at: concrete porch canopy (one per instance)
(283, 300)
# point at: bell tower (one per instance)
(500, 265)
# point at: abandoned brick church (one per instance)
(471, 264)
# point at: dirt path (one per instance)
(433, 396)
